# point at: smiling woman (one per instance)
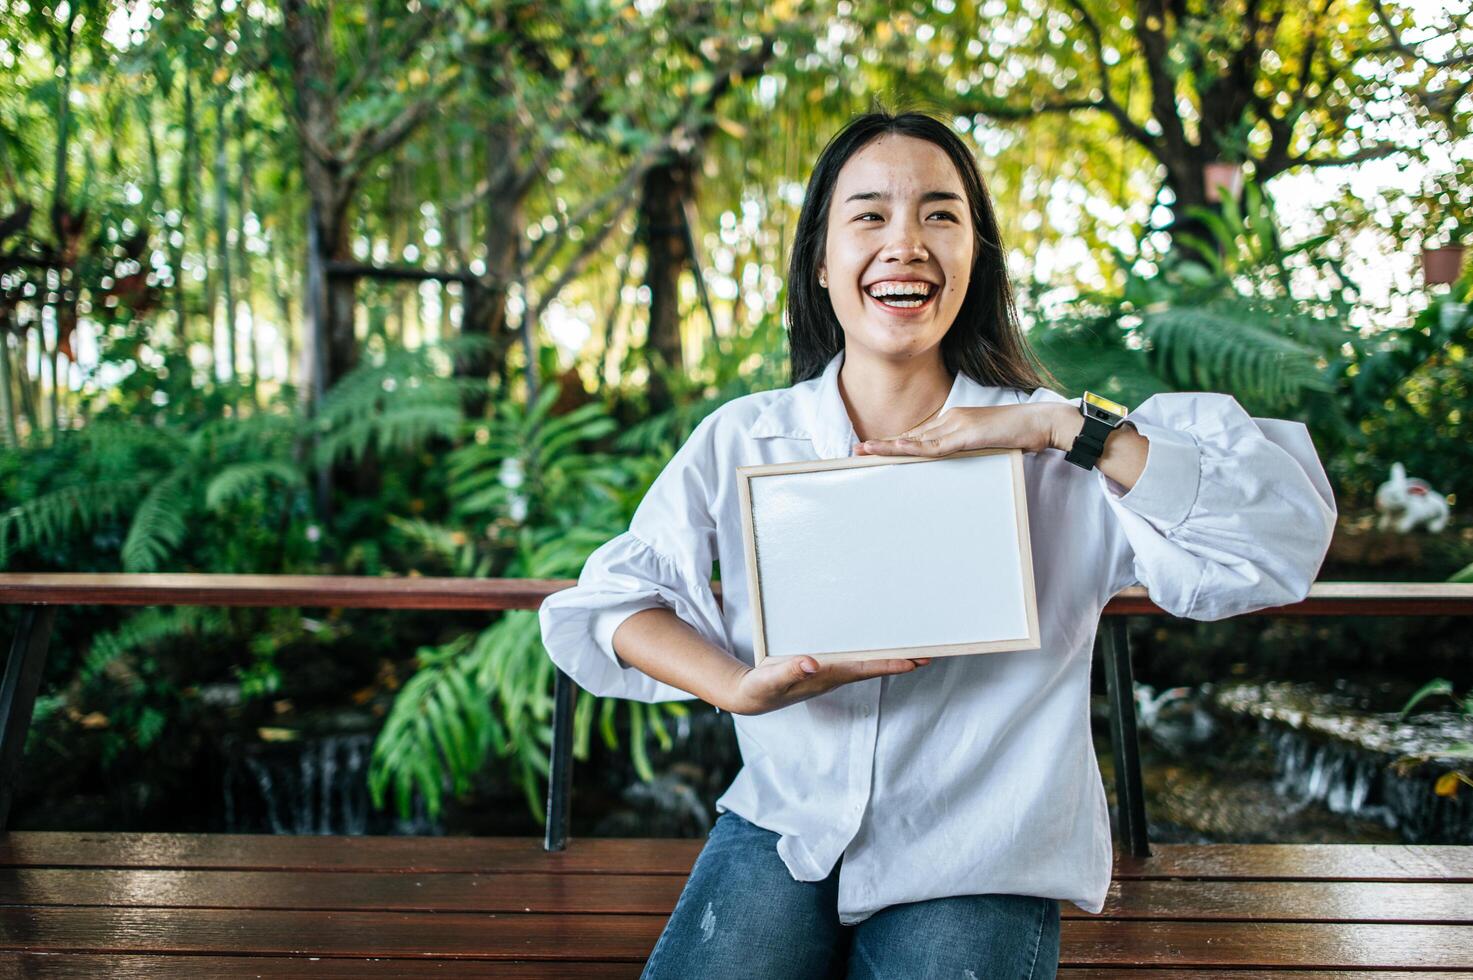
(958, 798)
(901, 255)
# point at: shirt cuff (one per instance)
(1167, 487)
(607, 620)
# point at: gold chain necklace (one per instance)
(933, 412)
(927, 418)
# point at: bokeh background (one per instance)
(436, 288)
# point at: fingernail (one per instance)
(809, 668)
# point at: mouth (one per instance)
(902, 296)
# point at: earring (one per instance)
(823, 281)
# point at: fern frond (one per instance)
(146, 628)
(69, 510)
(158, 525)
(240, 479)
(113, 450)
(439, 731)
(402, 428)
(1220, 350)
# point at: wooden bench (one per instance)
(176, 905)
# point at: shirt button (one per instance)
(864, 711)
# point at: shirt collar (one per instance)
(814, 410)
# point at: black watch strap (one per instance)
(1089, 445)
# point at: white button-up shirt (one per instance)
(975, 774)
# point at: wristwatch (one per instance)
(1101, 417)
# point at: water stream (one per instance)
(312, 785)
(1329, 749)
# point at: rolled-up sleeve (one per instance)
(663, 560)
(1231, 513)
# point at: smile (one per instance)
(902, 295)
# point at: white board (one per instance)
(889, 556)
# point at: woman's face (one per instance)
(899, 252)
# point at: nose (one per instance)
(905, 245)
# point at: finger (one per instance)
(858, 670)
(903, 447)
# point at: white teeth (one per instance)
(901, 295)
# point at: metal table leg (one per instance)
(18, 689)
(560, 779)
(1120, 686)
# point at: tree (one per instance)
(1272, 84)
(667, 196)
(347, 112)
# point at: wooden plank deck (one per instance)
(178, 905)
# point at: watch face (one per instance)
(1104, 409)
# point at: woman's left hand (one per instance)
(1031, 428)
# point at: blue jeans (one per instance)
(741, 914)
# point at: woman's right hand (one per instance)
(777, 683)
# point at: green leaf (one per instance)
(1438, 685)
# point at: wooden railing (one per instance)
(40, 595)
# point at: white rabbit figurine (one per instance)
(1405, 503)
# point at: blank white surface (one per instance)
(898, 555)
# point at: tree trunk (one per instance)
(450, 252)
(55, 356)
(662, 221)
(29, 393)
(176, 252)
(62, 220)
(7, 402)
(222, 235)
(246, 202)
(336, 344)
(192, 190)
(483, 312)
(283, 286)
(160, 207)
(398, 220)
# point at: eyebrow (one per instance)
(926, 198)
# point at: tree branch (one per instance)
(1002, 110)
(312, 113)
(1409, 49)
(1107, 101)
(355, 270)
(543, 252)
(1374, 152)
(575, 266)
(1163, 86)
(370, 141)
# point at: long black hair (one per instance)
(985, 342)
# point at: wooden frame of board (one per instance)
(1028, 638)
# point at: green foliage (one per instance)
(1409, 393)
(745, 362)
(1229, 320)
(546, 502)
(168, 468)
(162, 483)
(1436, 686)
(398, 400)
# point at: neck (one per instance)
(885, 398)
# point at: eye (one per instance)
(867, 214)
(945, 214)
